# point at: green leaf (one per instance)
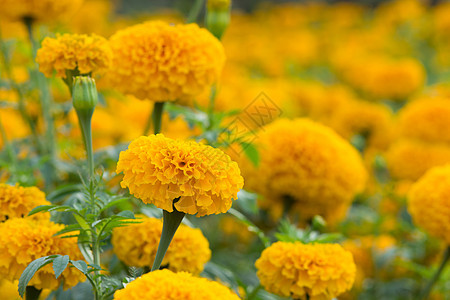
(80, 265)
(113, 202)
(60, 264)
(69, 228)
(126, 214)
(41, 208)
(31, 269)
(251, 152)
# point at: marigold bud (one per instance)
(218, 16)
(84, 94)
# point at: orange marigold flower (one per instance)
(163, 62)
(17, 202)
(40, 10)
(429, 202)
(167, 285)
(87, 53)
(321, 271)
(24, 240)
(160, 170)
(136, 245)
(305, 167)
(426, 119)
(402, 153)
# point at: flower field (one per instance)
(216, 150)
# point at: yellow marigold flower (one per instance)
(8, 290)
(371, 120)
(159, 170)
(321, 271)
(24, 240)
(426, 119)
(306, 167)
(136, 245)
(163, 62)
(17, 202)
(410, 159)
(429, 202)
(167, 285)
(40, 10)
(87, 53)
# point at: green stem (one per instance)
(86, 131)
(195, 11)
(32, 293)
(21, 97)
(9, 149)
(212, 101)
(148, 124)
(171, 221)
(426, 292)
(254, 292)
(157, 116)
(46, 104)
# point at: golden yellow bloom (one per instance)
(164, 284)
(159, 170)
(24, 240)
(74, 51)
(371, 120)
(305, 167)
(17, 202)
(8, 290)
(410, 159)
(161, 62)
(136, 245)
(321, 271)
(426, 119)
(429, 202)
(40, 10)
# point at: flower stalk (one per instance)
(427, 290)
(171, 222)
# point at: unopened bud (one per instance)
(218, 16)
(84, 95)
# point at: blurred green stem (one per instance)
(20, 94)
(427, 290)
(46, 104)
(157, 116)
(254, 292)
(32, 293)
(9, 149)
(195, 11)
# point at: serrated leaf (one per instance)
(60, 264)
(41, 208)
(30, 270)
(80, 265)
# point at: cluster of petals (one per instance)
(17, 202)
(192, 177)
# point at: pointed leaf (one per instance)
(41, 208)
(30, 270)
(60, 264)
(80, 265)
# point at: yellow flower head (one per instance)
(160, 170)
(306, 167)
(40, 10)
(410, 159)
(429, 202)
(321, 271)
(24, 240)
(371, 120)
(136, 245)
(426, 119)
(163, 62)
(167, 285)
(17, 202)
(87, 53)
(8, 290)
